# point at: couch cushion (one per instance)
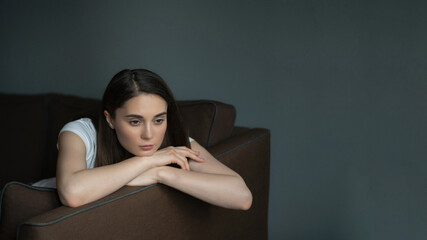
(208, 122)
(23, 137)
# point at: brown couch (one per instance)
(29, 127)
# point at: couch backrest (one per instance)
(30, 125)
(23, 139)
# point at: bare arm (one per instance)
(78, 185)
(210, 181)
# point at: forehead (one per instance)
(144, 105)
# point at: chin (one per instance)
(141, 153)
(145, 154)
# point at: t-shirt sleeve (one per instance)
(86, 131)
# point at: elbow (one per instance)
(69, 196)
(71, 202)
(246, 202)
(243, 198)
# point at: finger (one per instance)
(196, 158)
(190, 154)
(183, 162)
(188, 149)
(173, 157)
(180, 163)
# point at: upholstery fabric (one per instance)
(19, 202)
(23, 125)
(214, 120)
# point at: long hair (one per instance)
(123, 86)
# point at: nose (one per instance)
(147, 131)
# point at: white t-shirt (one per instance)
(85, 129)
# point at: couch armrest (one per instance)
(160, 212)
(19, 202)
(248, 153)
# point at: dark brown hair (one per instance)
(123, 86)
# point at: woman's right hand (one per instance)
(174, 155)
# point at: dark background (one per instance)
(340, 84)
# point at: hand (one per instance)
(174, 155)
(146, 178)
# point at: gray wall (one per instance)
(340, 84)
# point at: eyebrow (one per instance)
(141, 117)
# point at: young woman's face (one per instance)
(140, 124)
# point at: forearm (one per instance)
(89, 185)
(229, 191)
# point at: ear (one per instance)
(109, 119)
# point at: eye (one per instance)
(159, 121)
(134, 122)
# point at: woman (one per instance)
(139, 137)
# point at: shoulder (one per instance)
(82, 123)
(83, 128)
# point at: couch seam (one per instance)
(234, 122)
(214, 117)
(242, 144)
(81, 210)
(213, 123)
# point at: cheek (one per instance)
(161, 133)
(126, 134)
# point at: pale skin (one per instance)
(140, 125)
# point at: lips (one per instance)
(146, 147)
